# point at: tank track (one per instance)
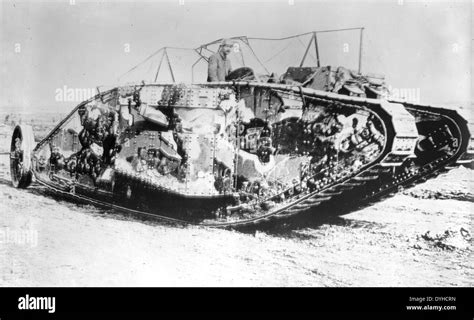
(388, 184)
(398, 166)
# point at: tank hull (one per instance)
(235, 154)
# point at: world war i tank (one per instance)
(253, 148)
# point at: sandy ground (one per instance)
(420, 237)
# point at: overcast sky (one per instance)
(416, 44)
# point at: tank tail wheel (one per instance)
(22, 145)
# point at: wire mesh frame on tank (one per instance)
(300, 49)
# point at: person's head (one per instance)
(226, 46)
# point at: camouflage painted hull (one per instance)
(239, 153)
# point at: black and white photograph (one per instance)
(285, 143)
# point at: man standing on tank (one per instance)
(219, 64)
